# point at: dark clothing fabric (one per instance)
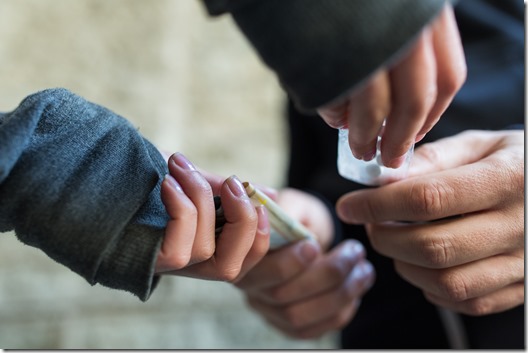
(78, 182)
(394, 314)
(321, 49)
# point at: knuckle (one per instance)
(451, 83)
(430, 153)
(418, 105)
(438, 251)
(293, 318)
(336, 271)
(478, 307)
(515, 174)
(178, 261)
(187, 213)
(454, 286)
(204, 254)
(229, 274)
(277, 295)
(430, 199)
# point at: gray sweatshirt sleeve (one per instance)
(80, 183)
(320, 49)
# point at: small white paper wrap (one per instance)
(372, 173)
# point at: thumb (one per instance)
(451, 152)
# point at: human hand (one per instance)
(410, 95)
(189, 247)
(466, 197)
(305, 293)
(299, 289)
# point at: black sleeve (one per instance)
(321, 49)
(80, 183)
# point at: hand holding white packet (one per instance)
(373, 172)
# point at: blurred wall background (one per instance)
(190, 83)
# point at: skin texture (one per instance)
(302, 290)
(413, 93)
(473, 264)
(463, 240)
(189, 247)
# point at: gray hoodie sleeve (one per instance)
(320, 49)
(80, 183)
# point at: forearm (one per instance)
(306, 42)
(79, 182)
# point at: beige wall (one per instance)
(190, 83)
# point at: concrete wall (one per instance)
(191, 84)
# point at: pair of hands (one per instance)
(464, 248)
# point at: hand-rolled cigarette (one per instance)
(288, 228)
(284, 229)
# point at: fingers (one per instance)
(176, 249)
(478, 288)
(471, 280)
(198, 190)
(330, 272)
(189, 235)
(450, 65)
(238, 233)
(447, 243)
(413, 87)
(260, 244)
(496, 302)
(367, 109)
(469, 172)
(238, 239)
(462, 190)
(410, 95)
(335, 284)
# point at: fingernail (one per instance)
(396, 162)
(419, 137)
(236, 186)
(180, 160)
(263, 224)
(363, 270)
(369, 155)
(352, 249)
(173, 183)
(307, 251)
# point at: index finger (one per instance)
(443, 194)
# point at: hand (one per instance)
(305, 293)
(189, 247)
(410, 95)
(466, 195)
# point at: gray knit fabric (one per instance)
(79, 182)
